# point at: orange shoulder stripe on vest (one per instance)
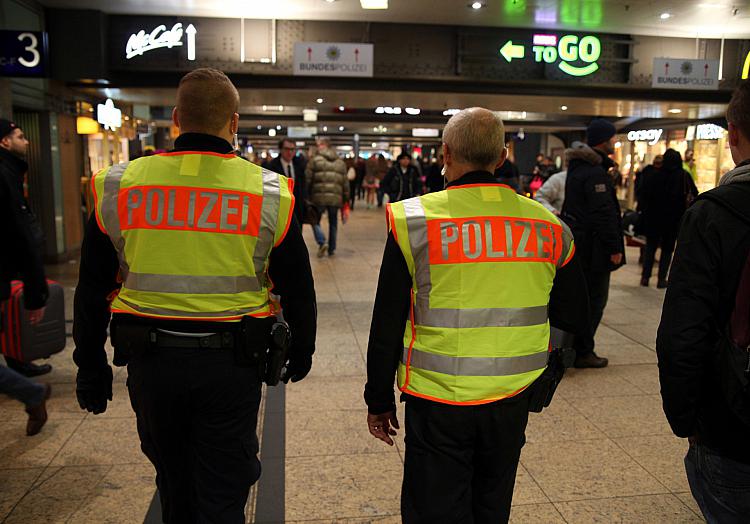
(481, 185)
(210, 153)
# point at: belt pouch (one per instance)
(255, 339)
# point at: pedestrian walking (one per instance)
(329, 190)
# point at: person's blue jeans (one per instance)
(20, 388)
(720, 485)
(320, 238)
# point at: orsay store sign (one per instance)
(333, 59)
(651, 136)
(574, 55)
(23, 53)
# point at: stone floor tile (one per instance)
(99, 441)
(14, 483)
(332, 433)
(122, 497)
(644, 376)
(339, 365)
(689, 501)
(620, 354)
(389, 519)
(609, 336)
(326, 394)
(340, 487)
(62, 404)
(662, 456)
(19, 451)
(560, 422)
(535, 514)
(652, 508)
(58, 496)
(586, 469)
(526, 490)
(119, 406)
(594, 383)
(625, 416)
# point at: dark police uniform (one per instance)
(196, 403)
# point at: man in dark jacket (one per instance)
(402, 180)
(593, 214)
(20, 256)
(293, 167)
(712, 247)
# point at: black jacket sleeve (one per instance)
(688, 331)
(97, 281)
(604, 213)
(389, 316)
(569, 302)
(290, 272)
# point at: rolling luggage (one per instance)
(22, 341)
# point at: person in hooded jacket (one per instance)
(328, 189)
(663, 198)
(712, 247)
(402, 180)
(592, 211)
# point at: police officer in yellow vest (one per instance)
(471, 279)
(184, 249)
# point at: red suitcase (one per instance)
(22, 341)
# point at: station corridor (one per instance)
(603, 452)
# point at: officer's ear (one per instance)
(503, 158)
(175, 118)
(234, 125)
(447, 157)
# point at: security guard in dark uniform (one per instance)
(184, 249)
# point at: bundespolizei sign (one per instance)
(685, 73)
(333, 59)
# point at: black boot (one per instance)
(27, 369)
(591, 360)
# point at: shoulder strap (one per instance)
(734, 198)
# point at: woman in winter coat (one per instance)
(664, 197)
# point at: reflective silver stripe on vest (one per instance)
(416, 223)
(191, 284)
(110, 214)
(478, 317)
(475, 366)
(424, 315)
(269, 218)
(184, 314)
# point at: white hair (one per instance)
(475, 136)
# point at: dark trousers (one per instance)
(720, 486)
(197, 414)
(320, 237)
(381, 195)
(461, 461)
(667, 242)
(597, 284)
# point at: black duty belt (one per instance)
(162, 338)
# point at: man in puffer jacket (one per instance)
(592, 212)
(328, 189)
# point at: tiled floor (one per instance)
(603, 452)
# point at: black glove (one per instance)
(94, 388)
(296, 369)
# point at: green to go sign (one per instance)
(565, 51)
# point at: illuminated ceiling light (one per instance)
(319, 100)
(665, 16)
(278, 127)
(564, 108)
(451, 112)
(618, 145)
(523, 115)
(325, 129)
(342, 108)
(476, 5)
(374, 144)
(281, 108)
(341, 128)
(260, 127)
(330, 1)
(374, 4)
(412, 111)
(675, 111)
(380, 110)
(271, 132)
(265, 108)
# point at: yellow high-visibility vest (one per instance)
(482, 261)
(193, 232)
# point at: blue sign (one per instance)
(23, 53)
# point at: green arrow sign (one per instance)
(510, 51)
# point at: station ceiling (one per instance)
(674, 18)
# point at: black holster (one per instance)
(281, 338)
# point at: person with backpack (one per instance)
(704, 335)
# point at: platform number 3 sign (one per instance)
(23, 53)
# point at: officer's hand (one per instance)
(94, 388)
(616, 259)
(380, 426)
(296, 369)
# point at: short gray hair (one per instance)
(475, 136)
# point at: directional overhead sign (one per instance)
(333, 59)
(684, 73)
(574, 55)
